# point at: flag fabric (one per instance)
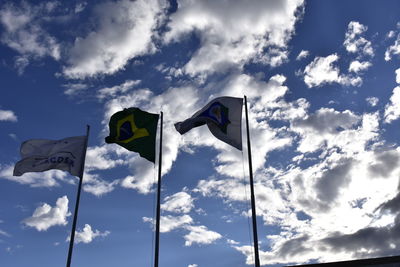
(134, 130)
(40, 155)
(223, 117)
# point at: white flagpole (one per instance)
(78, 196)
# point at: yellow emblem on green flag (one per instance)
(134, 130)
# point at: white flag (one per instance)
(223, 117)
(40, 155)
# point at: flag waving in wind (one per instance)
(223, 117)
(134, 130)
(40, 155)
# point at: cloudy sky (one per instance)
(323, 83)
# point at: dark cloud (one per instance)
(332, 180)
(392, 205)
(387, 161)
(367, 242)
(327, 120)
(294, 247)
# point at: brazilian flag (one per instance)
(135, 130)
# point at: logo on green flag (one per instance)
(134, 130)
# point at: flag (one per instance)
(134, 130)
(223, 117)
(40, 155)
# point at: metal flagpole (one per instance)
(78, 196)
(253, 202)
(157, 244)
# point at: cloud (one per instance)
(398, 76)
(169, 223)
(234, 33)
(332, 180)
(357, 66)
(79, 7)
(23, 32)
(118, 89)
(200, 235)
(385, 163)
(49, 178)
(8, 115)
(322, 127)
(124, 30)
(392, 109)
(46, 216)
(393, 49)
(302, 54)
(74, 88)
(367, 242)
(373, 101)
(180, 202)
(93, 184)
(101, 158)
(354, 42)
(322, 71)
(231, 189)
(4, 233)
(87, 235)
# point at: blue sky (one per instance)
(322, 79)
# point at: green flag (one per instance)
(134, 130)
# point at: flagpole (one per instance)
(253, 202)
(78, 196)
(157, 243)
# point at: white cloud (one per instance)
(79, 7)
(46, 216)
(118, 89)
(49, 178)
(169, 223)
(330, 128)
(192, 265)
(302, 54)
(354, 42)
(393, 49)
(390, 34)
(93, 184)
(357, 66)
(74, 88)
(4, 233)
(124, 30)
(200, 235)
(7, 115)
(87, 235)
(373, 101)
(321, 71)
(392, 109)
(24, 32)
(234, 33)
(100, 158)
(232, 189)
(398, 75)
(180, 202)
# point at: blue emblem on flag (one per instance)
(218, 114)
